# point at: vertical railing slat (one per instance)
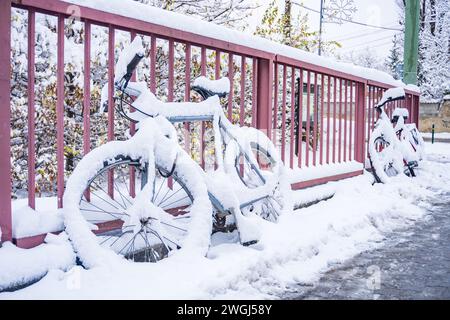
(187, 96)
(350, 154)
(132, 188)
(242, 93)
(274, 115)
(283, 116)
(322, 99)
(334, 118)
(308, 115)
(300, 120)
(316, 119)
(345, 119)
(292, 137)
(217, 65)
(202, 131)
(254, 88)
(328, 116)
(171, 71)
(153, 64)
(170, 81)
(31, 110)
(369, 110)
(111, 42)
(87, 94)
(60, 111)
(231, 77)
(340, 122)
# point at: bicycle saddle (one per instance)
(208, 88)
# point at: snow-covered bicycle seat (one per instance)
(399, 112)
(208, 88)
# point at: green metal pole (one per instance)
(411, 45)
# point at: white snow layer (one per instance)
(299, 248)
(322, 171)
(401, 112)
(143, 12)
(19, 266)
(391, 94)
(221, 85)
(28, 222)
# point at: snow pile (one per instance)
(28, 222)
(21, 266)
(308, 196)
(322, 171)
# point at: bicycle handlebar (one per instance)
(130, 69)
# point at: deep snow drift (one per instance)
(297, 249)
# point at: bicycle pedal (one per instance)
(413, 164)
(249, 243)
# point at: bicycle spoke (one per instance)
(108, 196)
(168, 205)
(121, 195)
(132, 239)
(111, 214)
(122, 234)
(159, 189)
(159, 237)
(173, 226)
(167, 192)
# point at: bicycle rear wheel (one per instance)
(257, 165)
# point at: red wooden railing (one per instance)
(337, 106)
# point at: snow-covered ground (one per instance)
(297, 249)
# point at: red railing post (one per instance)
(264, 95)
(5, 121)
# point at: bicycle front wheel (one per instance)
(110, 192)
(385, 160)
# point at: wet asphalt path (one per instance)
(413, 263)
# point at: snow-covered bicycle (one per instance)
(145, 197)
(394, 146)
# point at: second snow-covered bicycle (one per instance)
(394, 146)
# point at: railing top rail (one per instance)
(164, 24)
(103, 18)
(388, 86)
(317, 68)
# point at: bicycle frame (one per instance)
(127, 88)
